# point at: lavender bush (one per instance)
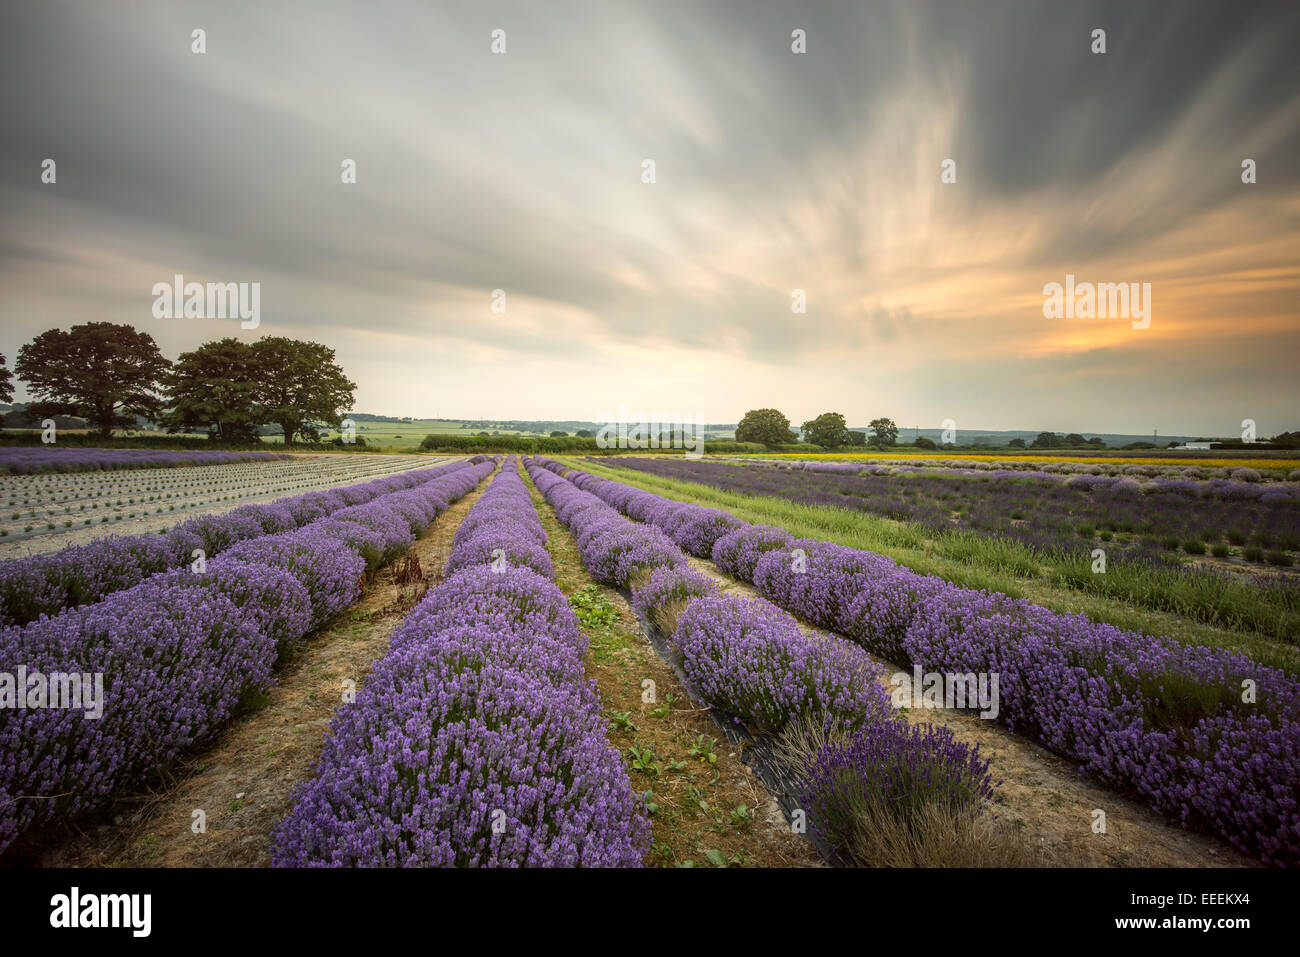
(891, 768)
(738, 551)
(752, 660)
(669, 587)
(478, 740)
(175, 662)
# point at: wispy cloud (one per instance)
(775, 171)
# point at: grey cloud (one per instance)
(477, 172)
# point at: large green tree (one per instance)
(828, 430)
(884, 432)
(767, 426)
(215, 389)
(103, 372)
(301, 386)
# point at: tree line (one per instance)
(111, 374)
(829, 430)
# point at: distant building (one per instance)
(1191, 446)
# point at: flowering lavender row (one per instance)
(1206, 736)
(49, 583)
(745, 657)
(179, 650)
(21, 461)
(477, 741)
(1044, 511)
(890, 768)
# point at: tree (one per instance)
(6, 382)
(215, 389)
(856, 437)
(1046, 440)
(103, 372)
(584, 434)
(886, 432)
(827, 430)
(1074, 440)
(923, 443)
(1016, 444)
(559, 435)
(767, 426)
(301, 385)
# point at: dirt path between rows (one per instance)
(245, 779)
(1047, 800)
(709, 813)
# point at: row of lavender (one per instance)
(1208, 737)
(22, 461)
(1042, 514)
(477, 741)
(748, 658)
(1049, 469)
(1234, 484)
(177, 652)
(49, 583)
(751, 660)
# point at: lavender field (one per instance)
(857, 440)
(22, 461)
(1250, 520)
(1098, 693)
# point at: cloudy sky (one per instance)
(775, 171)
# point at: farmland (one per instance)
(501, 607)
(1219, 551)
(44, 511)
(921, 620)
(852, 442)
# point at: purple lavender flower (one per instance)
(891, 768)
(478, 740)
(751, 659)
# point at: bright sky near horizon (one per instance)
(774, 171)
